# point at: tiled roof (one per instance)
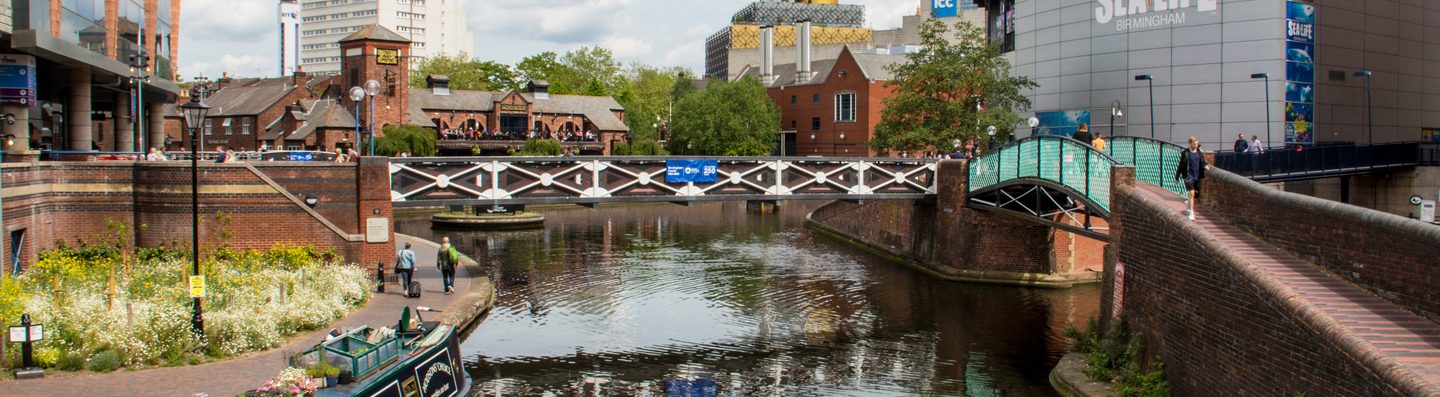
(375, 32)
(245, 101)
(324, 113)
(599, 109)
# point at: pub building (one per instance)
(495, 122)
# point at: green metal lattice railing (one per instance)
(1155, 161)
(1071, 163)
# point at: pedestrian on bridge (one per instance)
(1192, 168)
(1255, 146)
(1241, 145)
(1082, 133)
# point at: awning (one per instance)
(67, 53)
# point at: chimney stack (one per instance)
(802, 63)
(767, 55)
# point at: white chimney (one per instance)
(767, 55)
(802, 63)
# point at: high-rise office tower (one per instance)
(289, 36)
(433, 27)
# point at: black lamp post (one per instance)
(194, 112)
(1369, 108)
(1115, 111)
(991, 132)
(1151, 83)
(1265, 76)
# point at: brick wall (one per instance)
(955, 241)
(1394, 257)
(1218, 321)
(66, 202)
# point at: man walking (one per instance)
(1192, 169)
(446, 260)
(405, 266)
(1241, 145)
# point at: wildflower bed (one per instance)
(102, 302)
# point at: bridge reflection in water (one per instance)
(619, 301)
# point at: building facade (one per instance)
(834, 112)
(289, 18)
(1291, 72)
(87, 76)
(493, 122)
(433, 27)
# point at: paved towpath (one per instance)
(231, 377)
(1410, 340)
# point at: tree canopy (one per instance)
(418, 141)
(949, 90)
(467, 73)
(727, 119)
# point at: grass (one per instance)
(1117, 356)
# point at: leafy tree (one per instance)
(939, 88)
(585, 71)
(639, 148)
(467, 73)
(418, 141)
(544, 66)
(727, 119)
(647, 99)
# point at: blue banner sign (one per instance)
(17, 79)
(682, 171)
(950, 8)
(1299, 73)
(302, 156)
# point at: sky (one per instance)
(240, 36)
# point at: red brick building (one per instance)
(833, 113)
(495, 121)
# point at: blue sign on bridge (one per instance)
(699, 171)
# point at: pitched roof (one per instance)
(377, 33)
(417, 116)
(599, 109)
(324, 113)
(245, 101)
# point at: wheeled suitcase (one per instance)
(413, 290)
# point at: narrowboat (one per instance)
(415, 358)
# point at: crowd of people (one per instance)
(470, 134)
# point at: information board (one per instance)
(197, 286)
(17, 79)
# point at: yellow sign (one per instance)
(506, 107)
(387, 56)
(197, 286)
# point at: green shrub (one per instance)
(105, 361)
(541, 147)
(71, 361)
(1116, 356)
(46, 357)
(419, 141)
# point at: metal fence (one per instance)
(1069, 162)
(1155, 161)
(1300, 163)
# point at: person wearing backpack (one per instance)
(446, 259)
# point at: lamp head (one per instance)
(357, 94)
(10, 118)
(1362, 73)
(1033, 121)
(1259, 75)
(311, 200)
(372, 87)
(990, 130)
(1139, 77)
(9, 139)
(194, 112)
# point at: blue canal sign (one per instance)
(17, 79)
(682, 171)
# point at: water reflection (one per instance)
(623, 300)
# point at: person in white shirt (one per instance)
(1255, 146)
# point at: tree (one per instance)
(540, 147)
(639, 148)
(467, 73)
(949, 90)
(727, 119)
(585, 71)
(416, 140)
(647, 99)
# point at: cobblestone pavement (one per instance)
(235, 376)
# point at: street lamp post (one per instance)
(990, 131)
(138, 63)
(357, 94)
(372, 88)
(1151, 82)
(1265, 76)
(194, 112)
(1369, 107)
(1115, 111)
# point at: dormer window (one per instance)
(440, 84)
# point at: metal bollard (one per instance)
(380, 276)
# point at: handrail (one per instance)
(1155, 164)
(1046, 157)
(1321, 161)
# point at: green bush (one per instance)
(1116, 356)
(639, 148)
(541, 147)
(419, 141)
(105, 361)
(71, 361)
(46, 357)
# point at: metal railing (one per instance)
(274, 155)
(1071, 163)
(1155, 161)
(1300, 163)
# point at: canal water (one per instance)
(644, 299)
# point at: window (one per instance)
(815, 99)
(209, 126)
(292, 147)
(814, 123)
(845, 107)
(792, 100)
(228, 130)
(245, 126)
(365, 13)
(794, 124)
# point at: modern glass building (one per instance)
(86, 75)
(1292, 71)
